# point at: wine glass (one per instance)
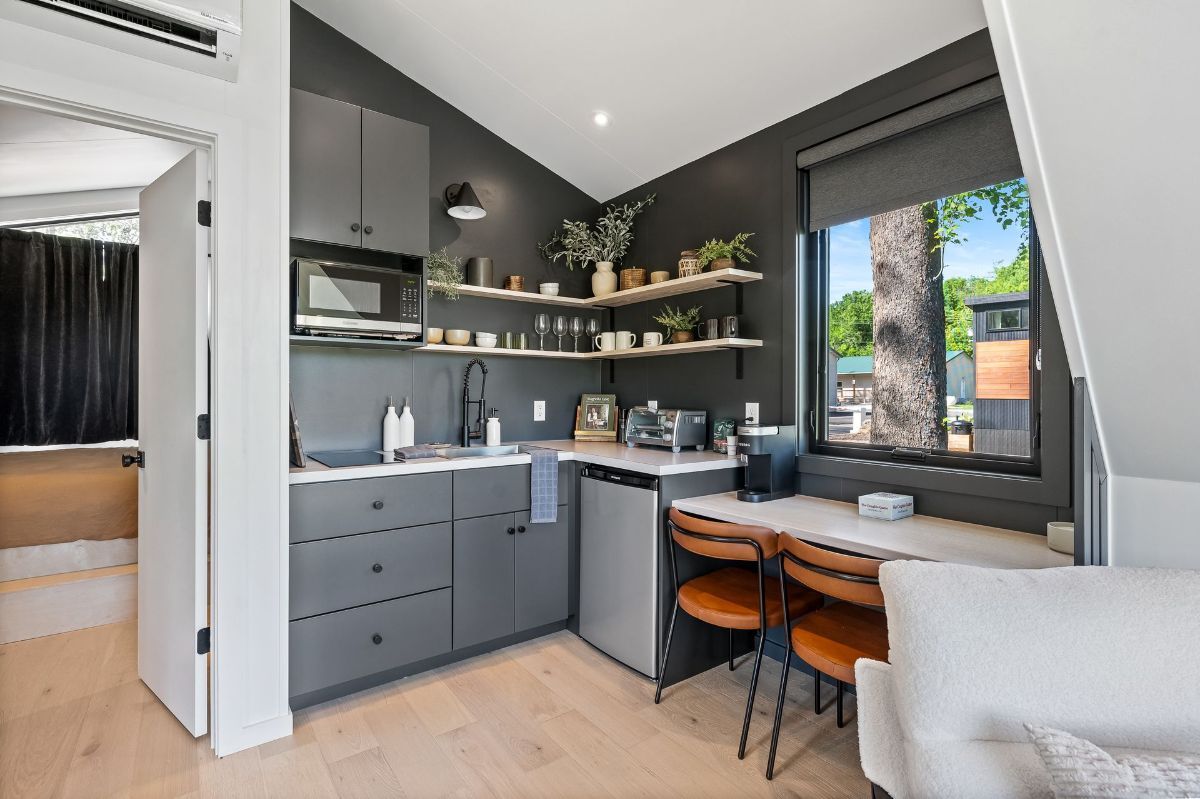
(593, 330)
(541, 326)
(576, 331)
(560, 329)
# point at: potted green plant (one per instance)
(601, 244)
(443, 274)
(721, 254)
(679, 323)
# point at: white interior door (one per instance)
(173, 478)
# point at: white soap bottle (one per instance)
(493, 429)
(407, 426)
(391, 428)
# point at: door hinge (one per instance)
(203, 427)
(203, 641)
(204, 213)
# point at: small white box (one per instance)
(886, 506)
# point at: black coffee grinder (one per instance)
(769, 455)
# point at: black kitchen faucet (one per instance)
(467, 432)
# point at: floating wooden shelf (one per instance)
(711, 345)
(650, 291)
(465, 350)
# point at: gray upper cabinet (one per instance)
(358, 177)
(395, 184)
(541, 570)
(326, 170)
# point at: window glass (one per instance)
(926, 324)
(123, 229)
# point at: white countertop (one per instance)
(656, 461)
(837, 524)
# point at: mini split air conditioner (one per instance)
(201, 36)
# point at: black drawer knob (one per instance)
(368, 230)
(377, 568)
(377, 504)
(521, 528)
(354, 226)
(377, 639)
(512, 531)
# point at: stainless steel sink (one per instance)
(481, 452)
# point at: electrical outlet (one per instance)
(652, 404)
(539, 410)
(752, 412)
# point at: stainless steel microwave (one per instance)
(341, 299)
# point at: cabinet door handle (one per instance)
(368, 230)
(377, 639)
(512, 531)
(377, 504)
(354, 226)
(377, 568)
(521, 528)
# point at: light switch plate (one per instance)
(539, 410)
(652, 404)
(752, 412)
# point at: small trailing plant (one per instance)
(444, 274)
(677, 318)
(736, 248)
(579, 243)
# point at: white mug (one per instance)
(652, 339)
(625, 340)
(606, 342)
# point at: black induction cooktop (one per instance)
(338, 458)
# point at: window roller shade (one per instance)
(966, 151)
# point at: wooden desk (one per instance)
(837, 524)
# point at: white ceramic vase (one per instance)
(604, 279)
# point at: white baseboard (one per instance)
(41, 606)
(19, 563)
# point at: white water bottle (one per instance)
(493, 429)
(407, 426)
(391, 428)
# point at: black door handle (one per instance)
(354, 226)
(128, 460)
(521, 528)
(512, 531)
(377, 639)
(368, 230)
(377, 568)
(377, 504)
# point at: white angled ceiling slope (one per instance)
(679, 78)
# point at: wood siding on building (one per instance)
(1002, 370)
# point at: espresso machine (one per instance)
(769, 455)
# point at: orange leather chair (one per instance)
(833, 638)
(735, 598)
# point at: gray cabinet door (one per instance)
(483, 579)
(395, 184)
(346, 507)
(495, 489)
(326, 169)
(541, 570)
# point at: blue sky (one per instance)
(850, 252)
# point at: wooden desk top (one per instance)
(837, 524)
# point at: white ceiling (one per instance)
(45, 154)
(680, 78)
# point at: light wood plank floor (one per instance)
(552, 717)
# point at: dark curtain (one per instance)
(68, 339)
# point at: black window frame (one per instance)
(814, 264)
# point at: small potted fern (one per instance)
(679, 323)
(722, 254)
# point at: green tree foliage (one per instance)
(851, 322)
(123, 230)
(1008, 201)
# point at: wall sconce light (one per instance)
(463, 203)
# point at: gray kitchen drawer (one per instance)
(341, 573)
(346, 507)
(337, 647)
(496, 489)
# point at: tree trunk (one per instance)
(909, 396)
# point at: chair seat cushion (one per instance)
(833, 638)
(729, 598)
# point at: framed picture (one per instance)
(297, 453)
(597, 417)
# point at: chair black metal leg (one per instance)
(841, 689)
(731, 649)
(762, 641)
(662, 669)
(783, 681)
(816, 692)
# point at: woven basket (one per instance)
(689, 263)
(632, 278)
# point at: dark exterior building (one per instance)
(1002, 373)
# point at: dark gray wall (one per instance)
(340, 393)
(746, 187)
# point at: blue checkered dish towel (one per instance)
(543, 485)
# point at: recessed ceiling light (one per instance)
(600, 119)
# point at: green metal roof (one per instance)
(865, 364)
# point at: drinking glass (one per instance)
(560, 329)
(593, 330)
(541, 326)
(576, 331)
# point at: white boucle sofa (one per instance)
(1108, 654)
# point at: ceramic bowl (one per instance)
(1060, 536)
(487, 340)
(458, 338)
(434, 335)
(549, 289)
